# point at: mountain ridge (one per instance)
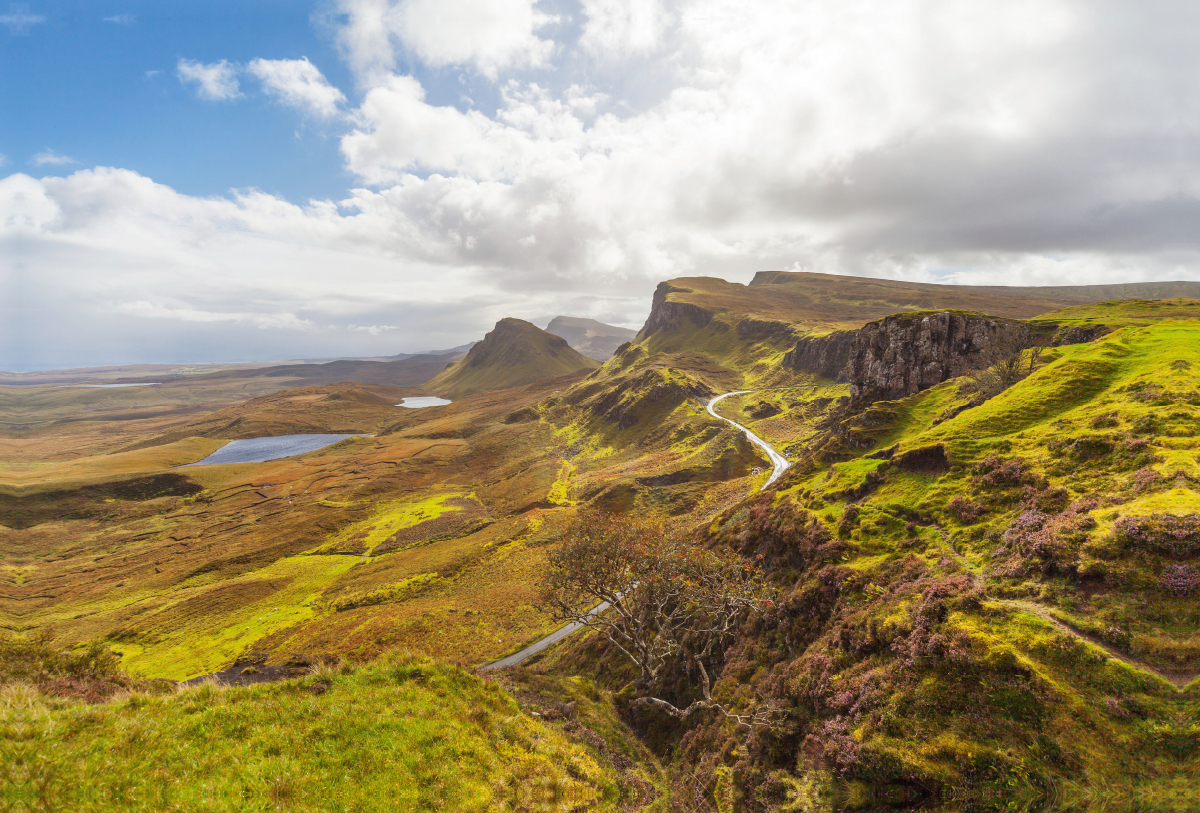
(512, 354)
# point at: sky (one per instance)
(205, 180)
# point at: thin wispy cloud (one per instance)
(19, 20)
(216, 80)
(121, 19)
(52, 158)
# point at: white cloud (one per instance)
(854, 137)
(121, 19)
(1028, 142)
(154, 310)
(216, 81)
(489, 35)
(364, 38)
(298, 83)
(52, 158)
(616, 28)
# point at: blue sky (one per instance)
(264, 180)
(97, 82)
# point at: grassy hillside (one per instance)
(406, 733)
(732, 336)
(993, 604)
(985, 602)
(513, 354)
(364, 546)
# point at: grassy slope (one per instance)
(513, 354)
(1046, 675)
(407, 733)
(177, 581)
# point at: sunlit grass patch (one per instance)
(389, 518)
(205, 629)
(404, 734)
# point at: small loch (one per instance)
(260, 450)
(422, 401)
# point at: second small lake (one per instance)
(422, 401)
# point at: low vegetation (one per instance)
(981, 596)
(406, 733)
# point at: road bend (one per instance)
(779, 464)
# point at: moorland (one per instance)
(978, 575)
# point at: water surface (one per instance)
(260, 450)
(422, 401)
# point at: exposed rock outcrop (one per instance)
(825, 356)
(904, 354)
(1076, 334)
(753, 329)
(666, 314)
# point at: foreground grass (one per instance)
(404, 734)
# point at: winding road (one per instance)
(779, 465)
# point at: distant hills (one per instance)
(593, 339)
(514, 353)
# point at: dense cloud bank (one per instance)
(1016, 143)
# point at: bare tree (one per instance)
(662, 600)
(1005, 364)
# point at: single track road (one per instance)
(779, 465)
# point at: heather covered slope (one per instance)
(989, 604)
(513, 354)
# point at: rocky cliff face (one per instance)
(664, 314)
(825, 356)
(907, 353)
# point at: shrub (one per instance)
(848, 521)
(1144, 478)
(1175, 535)
(1179, 580)
(963, 510)
(996, 472)
(1048, 543)
(91, 672)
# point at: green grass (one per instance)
(388, 518)
(403, 734)
(202, 630)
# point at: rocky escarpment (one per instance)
(667, 314)
(825, 356)
(906, 353)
